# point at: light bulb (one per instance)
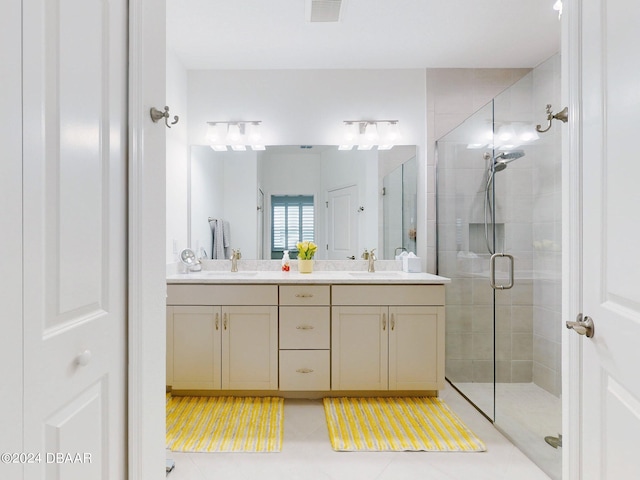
(212, 132)
(371, 132)
(350, 132)
(393, 133)
(234, 132)
(253, 132)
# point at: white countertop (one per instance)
(320, 276)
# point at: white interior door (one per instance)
(611, 228)
(342, 223)
(11, 238)
(74, 214)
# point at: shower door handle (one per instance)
(492, 271)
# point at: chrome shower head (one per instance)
(509, 156)
(501, 160)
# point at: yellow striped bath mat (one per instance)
(225, 424)
(397, 424)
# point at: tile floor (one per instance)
(307, 455)
(526, 413)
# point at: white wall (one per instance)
(177, 157)
(225, 184)
(207, 185)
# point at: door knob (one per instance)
(582, 326)
(84, 358)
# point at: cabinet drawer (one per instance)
(200, 294)
(304, 370)
(304, 327)
(304, 295)
(388, 294)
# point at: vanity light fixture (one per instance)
(235, 134)
(366, 134)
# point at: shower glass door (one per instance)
(499, 240)
(465, 230)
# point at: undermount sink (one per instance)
(375, 274)
(219, 273)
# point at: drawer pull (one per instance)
(384, 321)
(217, 321)
(393, 322)
(304, 327)
(224, 321)
(304, 295)
(304, 370)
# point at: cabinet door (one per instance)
(416, 348)
(249, 348)
(359, 348)
(196, 347)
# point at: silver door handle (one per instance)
(582, 326)
(492, 271)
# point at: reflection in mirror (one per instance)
(400, 194)
(266, 201)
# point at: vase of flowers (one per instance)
(306, 251)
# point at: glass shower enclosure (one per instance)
(499, 240)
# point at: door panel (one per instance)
(359, 348)
(74, 67)
(342, 223)
(74, 432)
(250, 348)
(611, 260)
(196, 341)
(415, 350)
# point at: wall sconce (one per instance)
(366, 134)
(235, 134)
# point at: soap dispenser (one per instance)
(286, 261)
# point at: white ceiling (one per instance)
(274, 34)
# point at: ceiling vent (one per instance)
(323, 10)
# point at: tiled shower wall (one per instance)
(454, 94)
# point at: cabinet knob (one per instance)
(84, 358)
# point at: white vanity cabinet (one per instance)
(305, 339)
(387, 337)
(222, 337)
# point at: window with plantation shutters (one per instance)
(292, 221)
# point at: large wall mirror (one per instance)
(263, 202)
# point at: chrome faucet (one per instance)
(235, 256)
(372, 259)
